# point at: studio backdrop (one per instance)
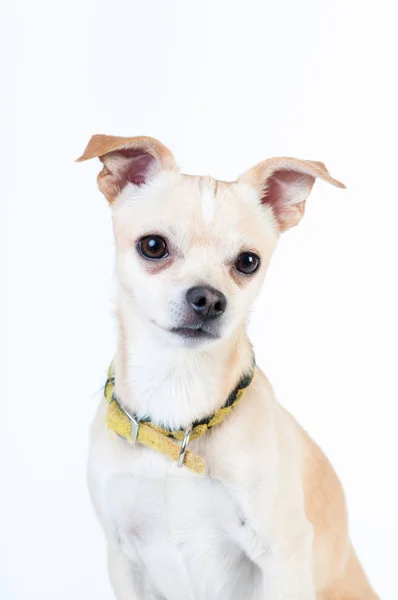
(224, 85)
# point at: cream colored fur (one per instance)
(268, 520)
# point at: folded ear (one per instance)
(127, 160)
(285, 184)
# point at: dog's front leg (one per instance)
(280, 543)
(288, 575)
(121, 574)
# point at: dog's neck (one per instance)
(174, 386)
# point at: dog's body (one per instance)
(267, 521)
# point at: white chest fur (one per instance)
(182, 534)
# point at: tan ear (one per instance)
(133, 160)
(285, 184)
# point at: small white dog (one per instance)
(206, 487)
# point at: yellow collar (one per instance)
(127, 425)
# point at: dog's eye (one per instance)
(153, 247)
(247, 263)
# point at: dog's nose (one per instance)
(207, 301)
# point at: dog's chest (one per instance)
(183, 534)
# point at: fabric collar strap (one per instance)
(128, 426)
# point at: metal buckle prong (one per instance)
(184, 447)
(134, 424)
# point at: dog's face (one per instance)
(192, 252)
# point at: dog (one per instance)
(205, 486)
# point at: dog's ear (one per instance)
(127, 160)
(285, 184)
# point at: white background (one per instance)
(223, 84)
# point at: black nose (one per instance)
(207, 301)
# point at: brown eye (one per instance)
(152, 247)
(247, 263)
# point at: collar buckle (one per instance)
(135, 425)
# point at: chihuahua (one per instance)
(206, 487)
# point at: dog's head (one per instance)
(192, 252)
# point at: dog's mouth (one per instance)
(194, 333)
